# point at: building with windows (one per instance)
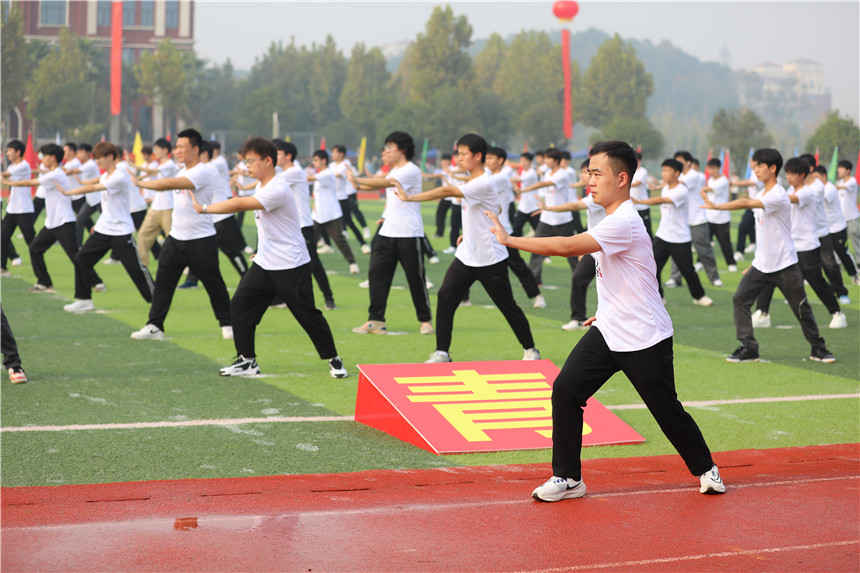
(145, 24)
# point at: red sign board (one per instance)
(460, 407)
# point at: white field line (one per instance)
(293, 419)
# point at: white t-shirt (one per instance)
(58, 207)
(820, 214)
(835, 218)
(20, 200)
(220, 165)
(136, 202)
(675, 217)
(803, 225)
(718, 194)
(89, 170)
(528, 200)
(115, 219)
(402, 219)
(594, 213)
(848, 198)
(164, 199)
(572, 177)
(74, 181)
(326, 206)
(344, 186)
(640, 191)
(774, 246)
(187, 223)
(222, 191)
(694, 182)
(555, 195)
(505, 190)
(479, 247)
(280, 244)
(297, 180)
(630, 313)
(244, 179)
(40, 190)
(149, 194)
(753, 191)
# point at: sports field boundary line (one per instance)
(303, 419)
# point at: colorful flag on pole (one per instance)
(748, 173)
(710, 156)
(362, 150)
(31, 157)
(137, 150)
(116, 58)
(57, 139)
(525, 147)
(727, 166)
(816, 156)
(322, 143)
(834, 163)
(424, 153)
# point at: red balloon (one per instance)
(565, 9)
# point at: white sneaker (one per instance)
(547, 261)
(110, 261)
(704, 301)
(17, 262)
(760, 319)
(371, 327)
(839, 320)
(855, 280)
(426, 328)
(540, 302)
(434, 260)
(227, 332)
(574, 325)
(531, 354)
(325, 250)
(365, 248)
(336, 368)
(739, 256)
(438, 356)
(5, 273)
(249, 250)
(100, 287)
(353, 269)
(450, 250)
(671, 283)
(557, 489)
(844, 299)
(364, 284)
(241, 367)
(80, 305)
(711, 482)
(698, 267)
(148, 332)
(466, 302)
(429, 284)
(750, 248)
(718, 283)
(733, 268)
(366, 233)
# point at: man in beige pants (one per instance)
(159, 216)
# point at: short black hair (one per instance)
(17, 146)
(475, 143)
(85, 147)
(206, 147)
(695, 161)
(585, 164)
(446, 156)
(262, 147)
(105, 148)
(193, 136)
(715, 163)
(163, 144)
(565, 154)
(820, 169)
(768, 156)
(540, 154)
(147, 150)
(673, 164)
(553, 153)
(322, 154)
(685, 154)
(845, 164)
(215, 144)
(340, 148)
(809, 159)
(54, 150)
(498, 152)
(621, 157)
(639, 155)
(527, 155)
(797, 165)
(404, 143)
(72, 146)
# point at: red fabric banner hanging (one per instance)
(116, 58)
(565, 64)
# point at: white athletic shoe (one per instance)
(466, 302)
(364, 284)
(100, 287)
(711, 482)
(366, 233)
(434, 260)
(671, 283)
(698, 267)
(718, 283)
(704, 301)
(760, 319)
(227, 332)
(249, 250)
(854, 280)
(733, 268)
(241, 367)
(80, 305)
(365, 248)
(547, 261)
(557, 489)
(5, 273)
(540, 302)
(574, 325)
(844, 299)
(148, 332)
(353, 269)
(531, 354)
(325, 250)
(17, 262)
(739, 256)
(110, 261)
(429, 284)
(839, 320)
(450, 250)
(438, 356)
(750, 248)
(336, 368)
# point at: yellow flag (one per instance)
(361, 151)
(137, 150)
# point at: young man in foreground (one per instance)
(632, 330)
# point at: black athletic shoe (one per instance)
(336, 368)
(822, 355)
(744, 354)
(241, 367)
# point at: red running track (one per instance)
(786, 509)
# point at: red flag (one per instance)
(565, 64)
(857, 167)
(704, 167)
(168, 137)
(525, 146)
(816, 155)
(639, 148)
(116, 58)
(31, 157)
(322, 142)
(727, 166)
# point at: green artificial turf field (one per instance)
(84, 369)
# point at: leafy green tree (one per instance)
(216, 96)
(15, 60)
(615, 84)
(366, 95)
(635, 131)
(836, 131)
(489, 61)
(739, 129)
(254, 112)
(327, 75)
(162, 78)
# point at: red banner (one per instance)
(116, 58)
(565, 64)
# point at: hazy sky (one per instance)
(753, 32)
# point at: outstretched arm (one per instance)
(572, 246)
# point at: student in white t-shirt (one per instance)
(746, 227)
(838, 215)
(71, 163)
(528, 208)
(775, 262)
(86, 174)
(399, 238)
(673, 238)
(479, 257)
(834, 242)
(339, 166)
(847, 187)
(191, 242)
(639, 190)
(632, 331)
(440, 175)
(280, 268)
(573, 191)
(719, 222)
(19, 208)
(112, 231)
(159, 216)
(327, 213)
